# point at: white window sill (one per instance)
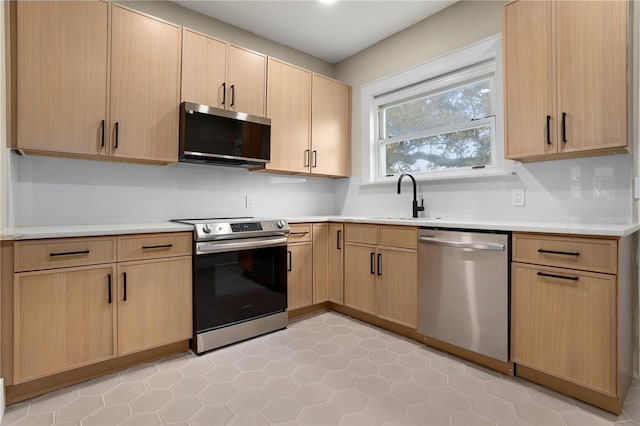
(444, 177)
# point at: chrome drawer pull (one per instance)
(299, 233)
(566, 253)
(562, 277)
(69, 253)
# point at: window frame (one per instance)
(448, 71)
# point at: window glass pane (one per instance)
(465, 148)
(459, 105)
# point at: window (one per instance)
(444, 125)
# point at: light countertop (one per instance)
(603, 229)
(34, 232)
(616, 230)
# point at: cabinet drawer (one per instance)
(591, 254)
(398, 236)
(152, 246)
(366, 234)
(299, 233)
(59, 253)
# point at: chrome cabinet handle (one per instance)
(564, 127)
(306, 157)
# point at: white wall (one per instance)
(60, 191)
(588, 190)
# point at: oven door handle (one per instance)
(220, 247)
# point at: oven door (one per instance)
(237, 281)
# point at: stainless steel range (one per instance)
(239, 279)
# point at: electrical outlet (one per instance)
(517, 197)
(250, 202)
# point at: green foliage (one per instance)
(450, 148)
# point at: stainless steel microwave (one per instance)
(216, 136)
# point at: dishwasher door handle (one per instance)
(462, 245)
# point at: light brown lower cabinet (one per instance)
(300, 275)
(381, 273)
(311, 278)
(63, 319)
(154, 306)
(571, 323)
(335, 263)
(79, 301)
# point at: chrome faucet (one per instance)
(416, 208)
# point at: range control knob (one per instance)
(280, 224)
(206, 228)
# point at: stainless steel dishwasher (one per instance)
(463, 289)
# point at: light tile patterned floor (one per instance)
(325, 369)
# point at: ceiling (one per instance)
(331, 32)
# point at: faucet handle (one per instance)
(421, 207)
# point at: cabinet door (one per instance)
(336, 263)
(246, 81)
(398, 286)
(360, 277)
(203, 69)
(63, 319)
(330, 127)
(300, 276)
(289, 108)
(529, 80)
(61, 62)
(592, 73)
(154, 303)
(566, 326)
(320, 262)
(145, 87)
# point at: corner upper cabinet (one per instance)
(222, 75)
(565, 78)
(64, 73)
(289, 107)
(330, 127)
(145, 87)
(59, 70)
(310, 122)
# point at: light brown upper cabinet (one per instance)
(330, 127)
(289, 107)
(221, 75)
(64, 74)
(145, 87)
(566, 81)
(59, 71)
(310, 122)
